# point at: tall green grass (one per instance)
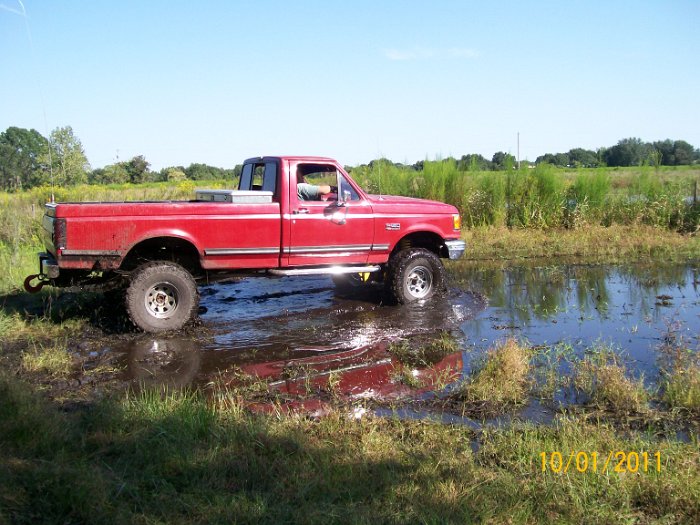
(545, 196)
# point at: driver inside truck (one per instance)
(311, 192)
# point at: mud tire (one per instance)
(161, 296)
(415, 274)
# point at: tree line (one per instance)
(627, 152)
(28, 159)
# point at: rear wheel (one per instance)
(415, 274)
(161, 296)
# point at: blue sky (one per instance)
(219, 81)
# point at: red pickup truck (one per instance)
(160, 250)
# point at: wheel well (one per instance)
(429, 241)
(164, 249)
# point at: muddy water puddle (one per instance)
(632, 309)
(309, 345)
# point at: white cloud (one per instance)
(422, 53)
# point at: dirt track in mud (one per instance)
(310, 344)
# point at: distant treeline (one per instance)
(28, 159)
(626, 153)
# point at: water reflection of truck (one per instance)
(159, 250)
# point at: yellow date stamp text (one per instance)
(614, 461)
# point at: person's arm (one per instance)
(311, 192)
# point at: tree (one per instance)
(68, 160)
(683, 153)
(676, 152)
(562, 160)
(665, 150)
(137, 169)
(111, 174)
(628, 152)
(175, 174)
(585, 158)
(20, 153)
(503, 161)
(547, 158)
(198, 171)
(473, 162)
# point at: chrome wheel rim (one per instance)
(419, 282)
(162, 300)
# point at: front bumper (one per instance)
(455, 249)
(48, 266)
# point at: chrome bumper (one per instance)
(48, 266)
(455, 249)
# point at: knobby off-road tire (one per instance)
(415, 274)
(161, 296)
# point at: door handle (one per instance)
(301, 211)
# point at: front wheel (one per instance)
(415, 274)
(161, 296)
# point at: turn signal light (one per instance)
(457, 222)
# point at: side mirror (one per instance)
(344, 198)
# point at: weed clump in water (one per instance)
(682, 388)
(422, 354)
(501, 382)
(681, 379)
(603, 379)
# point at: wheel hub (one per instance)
(419, 282)
(162, 300)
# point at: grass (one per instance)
(546, 368)
(52, 359)
(680, 381)
(500, 382)
(547, 197)
(36, 318)
(175, 458)
(682, 388)
(611, 244)
(603, 379)
(421, 353)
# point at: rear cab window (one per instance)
(259, 176)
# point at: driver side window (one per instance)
(316, 182)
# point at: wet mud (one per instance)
(310, 346)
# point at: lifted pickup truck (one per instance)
(160, 250)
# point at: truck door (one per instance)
(336, 228)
